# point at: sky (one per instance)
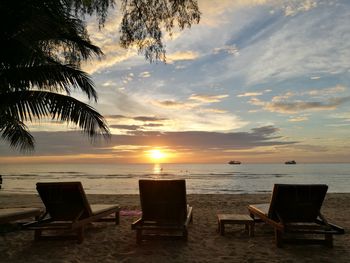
(259, 81)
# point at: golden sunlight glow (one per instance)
(156, 154)
(160, 155)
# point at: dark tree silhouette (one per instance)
(143, 22)
(42, 45)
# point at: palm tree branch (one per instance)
(26, 105)
(51, 77)
(16, 133)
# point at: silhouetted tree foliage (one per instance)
(42, 45)
(143, 21)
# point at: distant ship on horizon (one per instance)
(234, 162)
(290, 162)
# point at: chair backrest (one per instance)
(297, 202)
(64, 200)
(163, 201)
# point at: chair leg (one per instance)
(117, 218)
(80, 234)
(138, 236)
(278, 238)
(37, 234)
(329, 240)
(185, 234)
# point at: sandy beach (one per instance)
(106, 242)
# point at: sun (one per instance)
(156, 154)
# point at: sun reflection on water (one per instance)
(157, 169)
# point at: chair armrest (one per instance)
(334, 227)
(136, 223)
(189, 215)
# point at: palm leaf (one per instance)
(52, 31)
(26, 105)
(50, 77)
(16, 133)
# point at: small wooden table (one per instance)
(224, 219)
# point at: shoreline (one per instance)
(105, 242)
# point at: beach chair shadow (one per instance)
(68, 210)
(165, 213)
(294, 210)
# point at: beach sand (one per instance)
(106, 242)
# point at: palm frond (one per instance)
(16, 133)
(50, 77)
(26, 105)
(52, 31)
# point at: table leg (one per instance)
(251, 229)
(222, 228)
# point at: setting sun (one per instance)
(156, 154)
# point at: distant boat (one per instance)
(234, 162)
(290, 162)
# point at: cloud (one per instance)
(170, 104)
(304, 148)
(128, 123)
(145, 74)
(344, 116)
(300, 106)
(182, 55)
(108, 60)
(200, 99)
(125, 127)
(218, 9)
(136, 118)
(115, 117)
(128, 148)
(108, 36)
(283, 97)
(298, 119)
(315, 77)
(293, 102)
(265, 130)
(73, 143)
(176, 115)
(109, 83)
(249, 94)
(293, 7)
(211, 110)
(153, 125)
(312, 43)
(327, 91)
(207, 98)
(231, 50)
(149, 118)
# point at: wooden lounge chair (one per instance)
(68, 210)
(295, 210)
(164, 210)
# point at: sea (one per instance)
(200, 178)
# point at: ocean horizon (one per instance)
(200, 178)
